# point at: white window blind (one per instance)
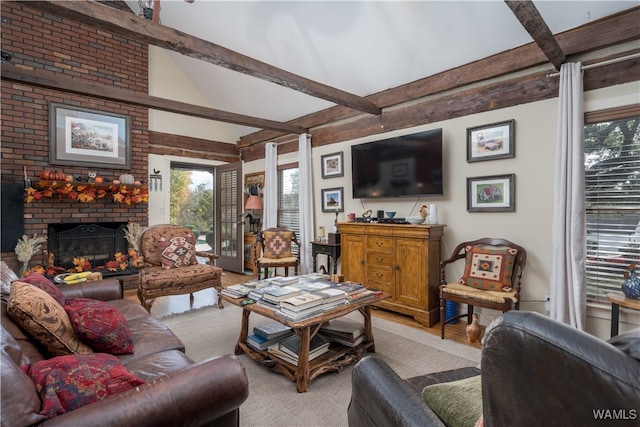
(288, 205)
(612, 192)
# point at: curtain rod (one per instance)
(600, 64)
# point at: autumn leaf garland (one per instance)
(86, 193)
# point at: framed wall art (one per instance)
(489, 142)
(332, 200)
(80, 136)
(491, 193)
(332, 165)
(254, 183)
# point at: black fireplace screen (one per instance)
(97, 243)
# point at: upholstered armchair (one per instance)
(272, 249)
(171, 266)
(491, 279)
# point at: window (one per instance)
(288, 205)
(612, 195)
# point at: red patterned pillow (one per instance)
(100, 325)
(65, 383)
(489, 269)
(277, 244)
(177, 251)
(46, 285)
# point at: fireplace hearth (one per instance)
(95, 242)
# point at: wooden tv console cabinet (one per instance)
(402, 260)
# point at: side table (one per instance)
(619, 299)
(330, 249)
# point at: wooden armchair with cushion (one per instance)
(274, 244)
(171, 266)
(491, 279)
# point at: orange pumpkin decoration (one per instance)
(48, 175)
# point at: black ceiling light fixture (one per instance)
(146, 8)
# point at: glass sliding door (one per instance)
(192, 202)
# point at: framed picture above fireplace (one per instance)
(84, 137)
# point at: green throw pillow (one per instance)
(456, 403)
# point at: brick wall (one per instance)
(38, 40)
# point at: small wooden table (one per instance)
(330, 249)
(619, 299)
(306, 370)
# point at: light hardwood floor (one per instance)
(179, 303)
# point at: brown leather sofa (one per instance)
(178, 391)
(534, 371)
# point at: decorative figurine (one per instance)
(473, 330)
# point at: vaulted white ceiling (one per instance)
(362, 47)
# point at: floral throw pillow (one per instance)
(65, 383)
(100, 325)
(277, 244)
(489, 269)
(177, 251)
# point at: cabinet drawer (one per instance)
(380, 259)
(379, 277)
(377, 243)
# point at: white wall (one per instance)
(533, 165)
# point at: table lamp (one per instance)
(253, 202)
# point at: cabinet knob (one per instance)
(379, 275)
(361, 262)
(379, 260)
(379, 244)
(397, 268)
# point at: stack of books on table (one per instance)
(268, 334)
(237, 291)
(300, 306)
(345, 332)
(289, 348)
(351, 288)
(271, 296)
(332, 297)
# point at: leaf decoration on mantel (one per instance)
(87, 193)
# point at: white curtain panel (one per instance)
(305, 200)
(568, 284)
(270, 210)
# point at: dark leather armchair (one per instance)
(534, 371)
(170, 264)
(492, 277)
(273, 249)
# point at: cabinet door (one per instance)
(353, 257)
(411, 272)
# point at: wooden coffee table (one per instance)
(306, 370)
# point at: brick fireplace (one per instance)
(71, 49)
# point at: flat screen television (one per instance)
(403, 166)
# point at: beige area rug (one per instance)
(273, 399)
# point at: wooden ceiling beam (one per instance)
(55, 81)
(147, 31)
(532, 21)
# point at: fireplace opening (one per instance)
(95, 242)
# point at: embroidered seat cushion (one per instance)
(38, 313)
(277, 244)
(65, 383)
(489, 267)
(177, 251)
(100, 325)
